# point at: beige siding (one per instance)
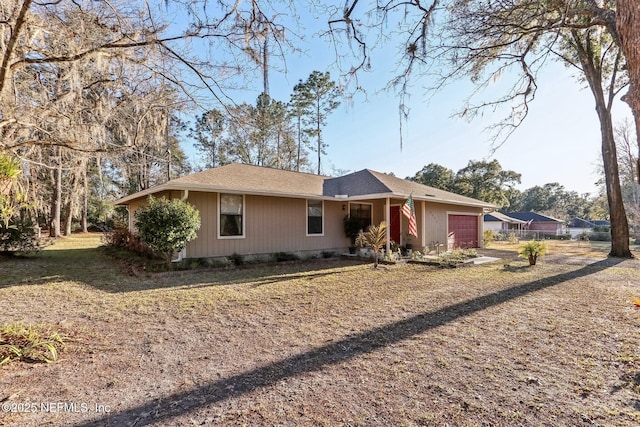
(272, 224)
(134, 205)
(279, 224)
(436, 222)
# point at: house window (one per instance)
(362, 212)
(314, 217)
(231, 215)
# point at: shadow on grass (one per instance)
(175, 405)
(52, 265)
(94, 267)
(517, 268)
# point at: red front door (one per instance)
(394, 224)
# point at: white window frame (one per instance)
(307, 219)
(219, 212)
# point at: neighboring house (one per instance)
(500, 222)
(253, 211)
(578, 226)
(541, 223)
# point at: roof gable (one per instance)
(359, 183)
(404, 187)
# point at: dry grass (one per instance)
(329, 342)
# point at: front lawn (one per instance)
(328, 342)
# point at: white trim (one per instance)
(244, 216)
(306, 223)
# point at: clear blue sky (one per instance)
(559, 141)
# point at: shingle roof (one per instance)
(500, 217)
(249, 179)
(583, 223)
(255, 179)
(580, 223)
(535, 216)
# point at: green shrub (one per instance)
(124, 239)
(489, 237)
(558, 236)
(451, 259)
(21, 238)
(236, 259)
(118, 238)
(166, 226)
(469, 253)
(328, 254)
(600, 236)
(284, 256)
(456, 257)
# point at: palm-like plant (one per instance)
(10, 169)
(375, 238)
(532, 250)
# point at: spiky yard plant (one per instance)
(375, 238)
(33, 343)
(532, 250)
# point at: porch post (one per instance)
(387, 219)
(424, 224)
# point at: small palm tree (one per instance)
(375, 238)
(532, 250)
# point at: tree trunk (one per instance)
(85, 198)
(628, 26)
(68, 211)
(299, 142)
(20, 22)
(618, 216)
(56, 200)
(318, 131)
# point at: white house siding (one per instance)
(493, 225)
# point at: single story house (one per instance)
(539, 222)
(500, 222)
(254, 211)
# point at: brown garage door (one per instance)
(463, 231)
